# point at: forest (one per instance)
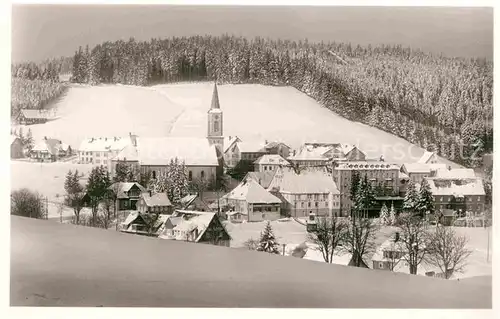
(440, 103)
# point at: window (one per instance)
(479, 198)
(325, 196)
(190, 175)
(381, 265)
(309, 204)
(470, 199)
(316, 204)
(441, 199)
(97, 161)
(302, 205)
(265, 168)
(216, 126)
(202, 174)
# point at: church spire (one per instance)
(215, 98)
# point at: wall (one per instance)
(232, 156)
(260, 212)
(473, 203)
(301, 205)
(210, 171)
(16, 149)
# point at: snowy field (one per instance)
(253, 112)
(292, 234)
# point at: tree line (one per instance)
(436, 102)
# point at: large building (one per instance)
(416, 172)
(269, 162)
(384, 178)
(310, 191)
(322, 154)
(99, 151)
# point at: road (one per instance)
(66, 265)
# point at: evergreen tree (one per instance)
(384, 215)
(365, 197)
(392, 216)
(411, 198)
(74, 193)
(267, 241)
(97, 189)
(28, 141)
(425, 200)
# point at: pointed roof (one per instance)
(215, 99)
(251, 191)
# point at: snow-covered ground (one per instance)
(253, 112)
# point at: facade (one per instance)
(252, 201)
(154, 203)
(128, 155)
(384, 177)
(416, 172)
(100, 151)
(232, 153)
(322, 154)
(29, 117)
(16, 147)
(251, 150)
(127, 195)
(278, 148)
(389, 254)
(135, 223)
(458, 195)
(194, 202)
(49, 150)
(270, 163)
(215, 127)
(311, 191)
(197, 227)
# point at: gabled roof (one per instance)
(251, 192)
(275, 144)
(122, 188)
(322, 151)
(160, 150)
(455, 173)
(35, 114)
(104, 144)
(189, 200)
(271, 159)
(50, 145)
(188, 221)
(229, 141)
(158, 199)
(263, 178)
(457, 187)
(133, 216)
(252, 147)
(420, 168)
(129, 154)
(309, 181)
(426, 157)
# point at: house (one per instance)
(457, 194)
(231, 152)
(28, 117)
(16, 147)
(263, 178)
(455, 173)
(269, 162)
(100, 151)
(384, 178)
(236, 217)
(136, 223)
(194, 202)
(278, 148)
(307, 192)
(322, 154)
(251, 150)
(254, 201)
(418, 171)
(127, 155)
(389, 254)
(154, 203)
(197, 227)
(429, 158)
(127, 195)
(49, 150)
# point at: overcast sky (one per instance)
(39, 32)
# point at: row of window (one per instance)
(317, 204)
(268, 168)
(469, 198)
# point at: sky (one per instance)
(40, 32)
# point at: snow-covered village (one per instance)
(269, 152)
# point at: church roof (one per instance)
(215, 99)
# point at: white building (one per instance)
(269, 162)
(99, 151)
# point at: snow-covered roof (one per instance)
(122, 188)
(158, 199)
(35, 114)
(275, 144)
(187, 221)
(104, 144)
(307, 182)
(129, 153)
(403, 175)
(427, 157)
(367, 165)
(456, 187)
(160, 150)
(13, 138)
(252, 147)
(263, 178)
(388, 245)
(50, 145)
(236, 213)
(130, 218)
(271, 159)
(251, 191)
(229, 141)
(455, 173)
(421, 168)
(322, 151)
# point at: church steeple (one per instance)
(215, 120)
(215, 98)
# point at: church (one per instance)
(202, 156)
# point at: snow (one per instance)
(251, 192)
(271, 159)
(180, 110)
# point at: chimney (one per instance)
(449, 167)
(382, 158)
(230, 137)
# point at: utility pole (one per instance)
(284, 245)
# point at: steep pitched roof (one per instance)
(104, 144)
(322, 151)
(50, 145)
(187, 221)
(215, 98)
(229, 141)
(426, 157)
(129, 154)
(455, 173)
(158, 199)
(307, 182)
(194, 199)
(251, 192)
(457, 187)
(160, 150)
(271, 159)
(275, 144)
(35, 114)
(263, 178)
(122, 188)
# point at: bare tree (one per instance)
(447, 251)
(27, 203)
(251, 244)
(413, 237)
(329, 233)
(360, 238)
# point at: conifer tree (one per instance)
(411, 198)
(267, 241)
(384, 215)
(392, 215)
(28, 141)
(425, 200)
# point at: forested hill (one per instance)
(436, 102)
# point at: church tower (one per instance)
(215, 129)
